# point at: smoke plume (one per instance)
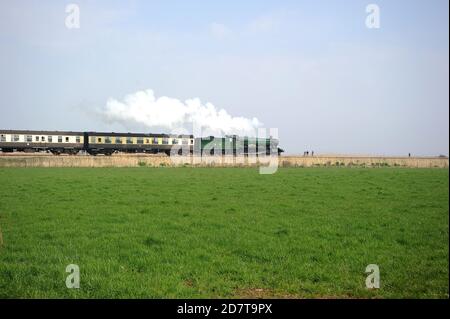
(174, 116)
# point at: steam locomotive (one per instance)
(94, 143)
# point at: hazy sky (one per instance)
(312, 69)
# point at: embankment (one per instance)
(38, 160)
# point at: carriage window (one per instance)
(67, 139)
(129, 140)
(59, 139)
(50, 139)
(147, 141)
(155, 140)
(16, 138)
(92, 139)
(2, 138)
(99, 140)
(29, 138)
(174, 141)
(165, 140)
(118, 140)
(36, 138)
(108, 140)
(42, 138)
(78, 139)
(192, 141)
(140, 140)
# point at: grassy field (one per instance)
(224, 232)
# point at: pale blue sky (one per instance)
(309, 68)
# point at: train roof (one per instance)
(70, 133)
(140, 134)
(33, 132)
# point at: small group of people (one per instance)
(306, 153)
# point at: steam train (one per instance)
(94, 143)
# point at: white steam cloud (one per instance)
(175, 116)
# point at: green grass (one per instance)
(212, 232)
